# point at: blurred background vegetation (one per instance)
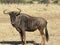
(31, 1)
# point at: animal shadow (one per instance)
(18, 42)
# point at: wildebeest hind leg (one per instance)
(42, 35)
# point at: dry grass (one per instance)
(50, 13)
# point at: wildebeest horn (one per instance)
(19, 9)
(5, 12)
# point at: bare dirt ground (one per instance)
(9, 35)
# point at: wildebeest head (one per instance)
(12, 14)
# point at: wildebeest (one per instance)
(24, 22)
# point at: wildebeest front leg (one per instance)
(42, 35)
(23, 37)
(23, 27)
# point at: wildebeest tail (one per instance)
(46, 33)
